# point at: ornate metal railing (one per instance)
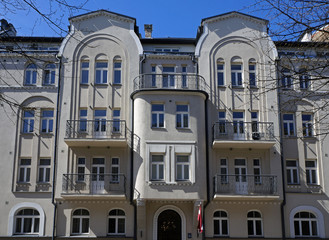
(94, 184)
(245, 184)
(96, 129)
(243, 131)
(186, 81)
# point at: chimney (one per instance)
(148, 30)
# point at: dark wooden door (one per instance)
(169, 226)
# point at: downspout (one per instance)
(282, 205)
(55, 147)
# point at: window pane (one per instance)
(27, 225)
(224, 227)
(85, 225)
(111, 225)
(250, 228)
(121, 225)
(216, 227)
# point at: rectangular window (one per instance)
(288, 124)
(101, 72)
(100, 121)
(222, 122)
(254, 124)
(28, 121)
(24, 170)
(50, 74)
(168, 77)
(47, 121)
(115, 170)
(303, 80)
(286, 79)
(182, 116)
(311, 172)
(292, 172)
(83, 120)
(257, 171)
(223, 171)
(44, 171)
(84, 72)
(182, 167)
(236, 74)
(157, 115)
(31, 75)
(117, 72)
(184, 77)
(307, 122)
(252, 75)
(116, 120)
(157, 168)
(238, 123)
(153, 69)
(220, 74)
(81, 166)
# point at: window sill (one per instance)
(176, 183)
(183, 128)
(158, 128)
(254, 87)
(47, 133)
(238, 87)
(100, 84)
(221, 86)
(117, 84)
(48, 85)
(84, 84)
(27, 133)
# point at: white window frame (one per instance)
(102, 71)
(25, 169)
(254, 221)
(23, 219)
(49, 74)
(83, 118)
(236, 75)
(289, 124)
(220, 72)
(81, 169)
(117, 69)
(307, 125)
(311, 172)
(223, 171)
(157, 167)
(116, 120)
(44, 170)
(286, 79)
(116, 220)
(291, 171)
(47, 122)
(220, 220)
(257, 171)
(168, 77)
(301, 226)
(84, 79)
(252, 74)
(304, 80)
(181, 115)
(181, 168)
(158, 114)
(115, 170)
(28, 121)
(80, 219)
(31, 75)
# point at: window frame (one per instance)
(304, 79)
(311, 172)
(23, 218)
(47, 122)
(84, 78)
(117, 79)
(289, 125)
(101, 72)
(44, 171)
(302, 227)
(286, 79)
(224, 171)
(116, 115)
(31, 75)
(24, 170)
(220, 74)
(115, 170)
(252, 74)
(182, 116)
(49, 75)
(292, 172)
(308, 125)
(237, 75)
(255, 221)
(159, 115)
(116, 219)
(83, 120)
(220, 220)
(28, 121)
(158, 170)
(182, 165)
(81, 169)
(80, 218)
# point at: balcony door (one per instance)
(98, 168)
(238, 126)
(240, 170)
(99, 123)
(168, 77)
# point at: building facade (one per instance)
(107, 134)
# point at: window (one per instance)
(311, 172)
(83, 120)
(236, 74)
(117, 222)
(80, 221)
(115, 170)
(84, 72)
(31, 75)
(168, 77)
(254, 224)
(47, 120)
(184, 76)
(116, 120)
(307, 122)
(238, 123)
(292, 172)
(81, 166)
(182, 116)
(288, 125)
(223, 171)
(220, 74)
(303, 79)
(157, 167)
(220, 223)
(182, 167)
(28, 121)
(286, 80)
(254, 123)
(153, 69)
(24, 170)
(44, 170)
(100, 121)
(305, 224)
(117, 72)
(27, 221)
(222, 122)
(101, 72)
(50, 71)
(257, 171)
(252, 74)
(157, 115)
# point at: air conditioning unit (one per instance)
(256, 135)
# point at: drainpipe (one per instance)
(282, 205)
(55, 147)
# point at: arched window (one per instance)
(27, 221)
(80, 221)
(252, 72)
(50, 71)
(101, 69)
(117, 222)
(117, 65)
(305, 224)
(254, 224)
(236, 72)
(220, 223)
(84, 78)
(31, 75)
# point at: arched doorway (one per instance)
(169, 225)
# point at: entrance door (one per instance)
(169, 225)
(97, 178)
(241, 184)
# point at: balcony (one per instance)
(238, 134)
(248, 186)
(94, 185)
(186, 81)
(96, 133)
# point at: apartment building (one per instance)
(116, 136)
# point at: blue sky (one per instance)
(170, 18)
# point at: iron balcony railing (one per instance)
(243, 131)
(186, 81)
(94, 184)
(100, 128)
(245, 184)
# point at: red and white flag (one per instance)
(200, 225)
